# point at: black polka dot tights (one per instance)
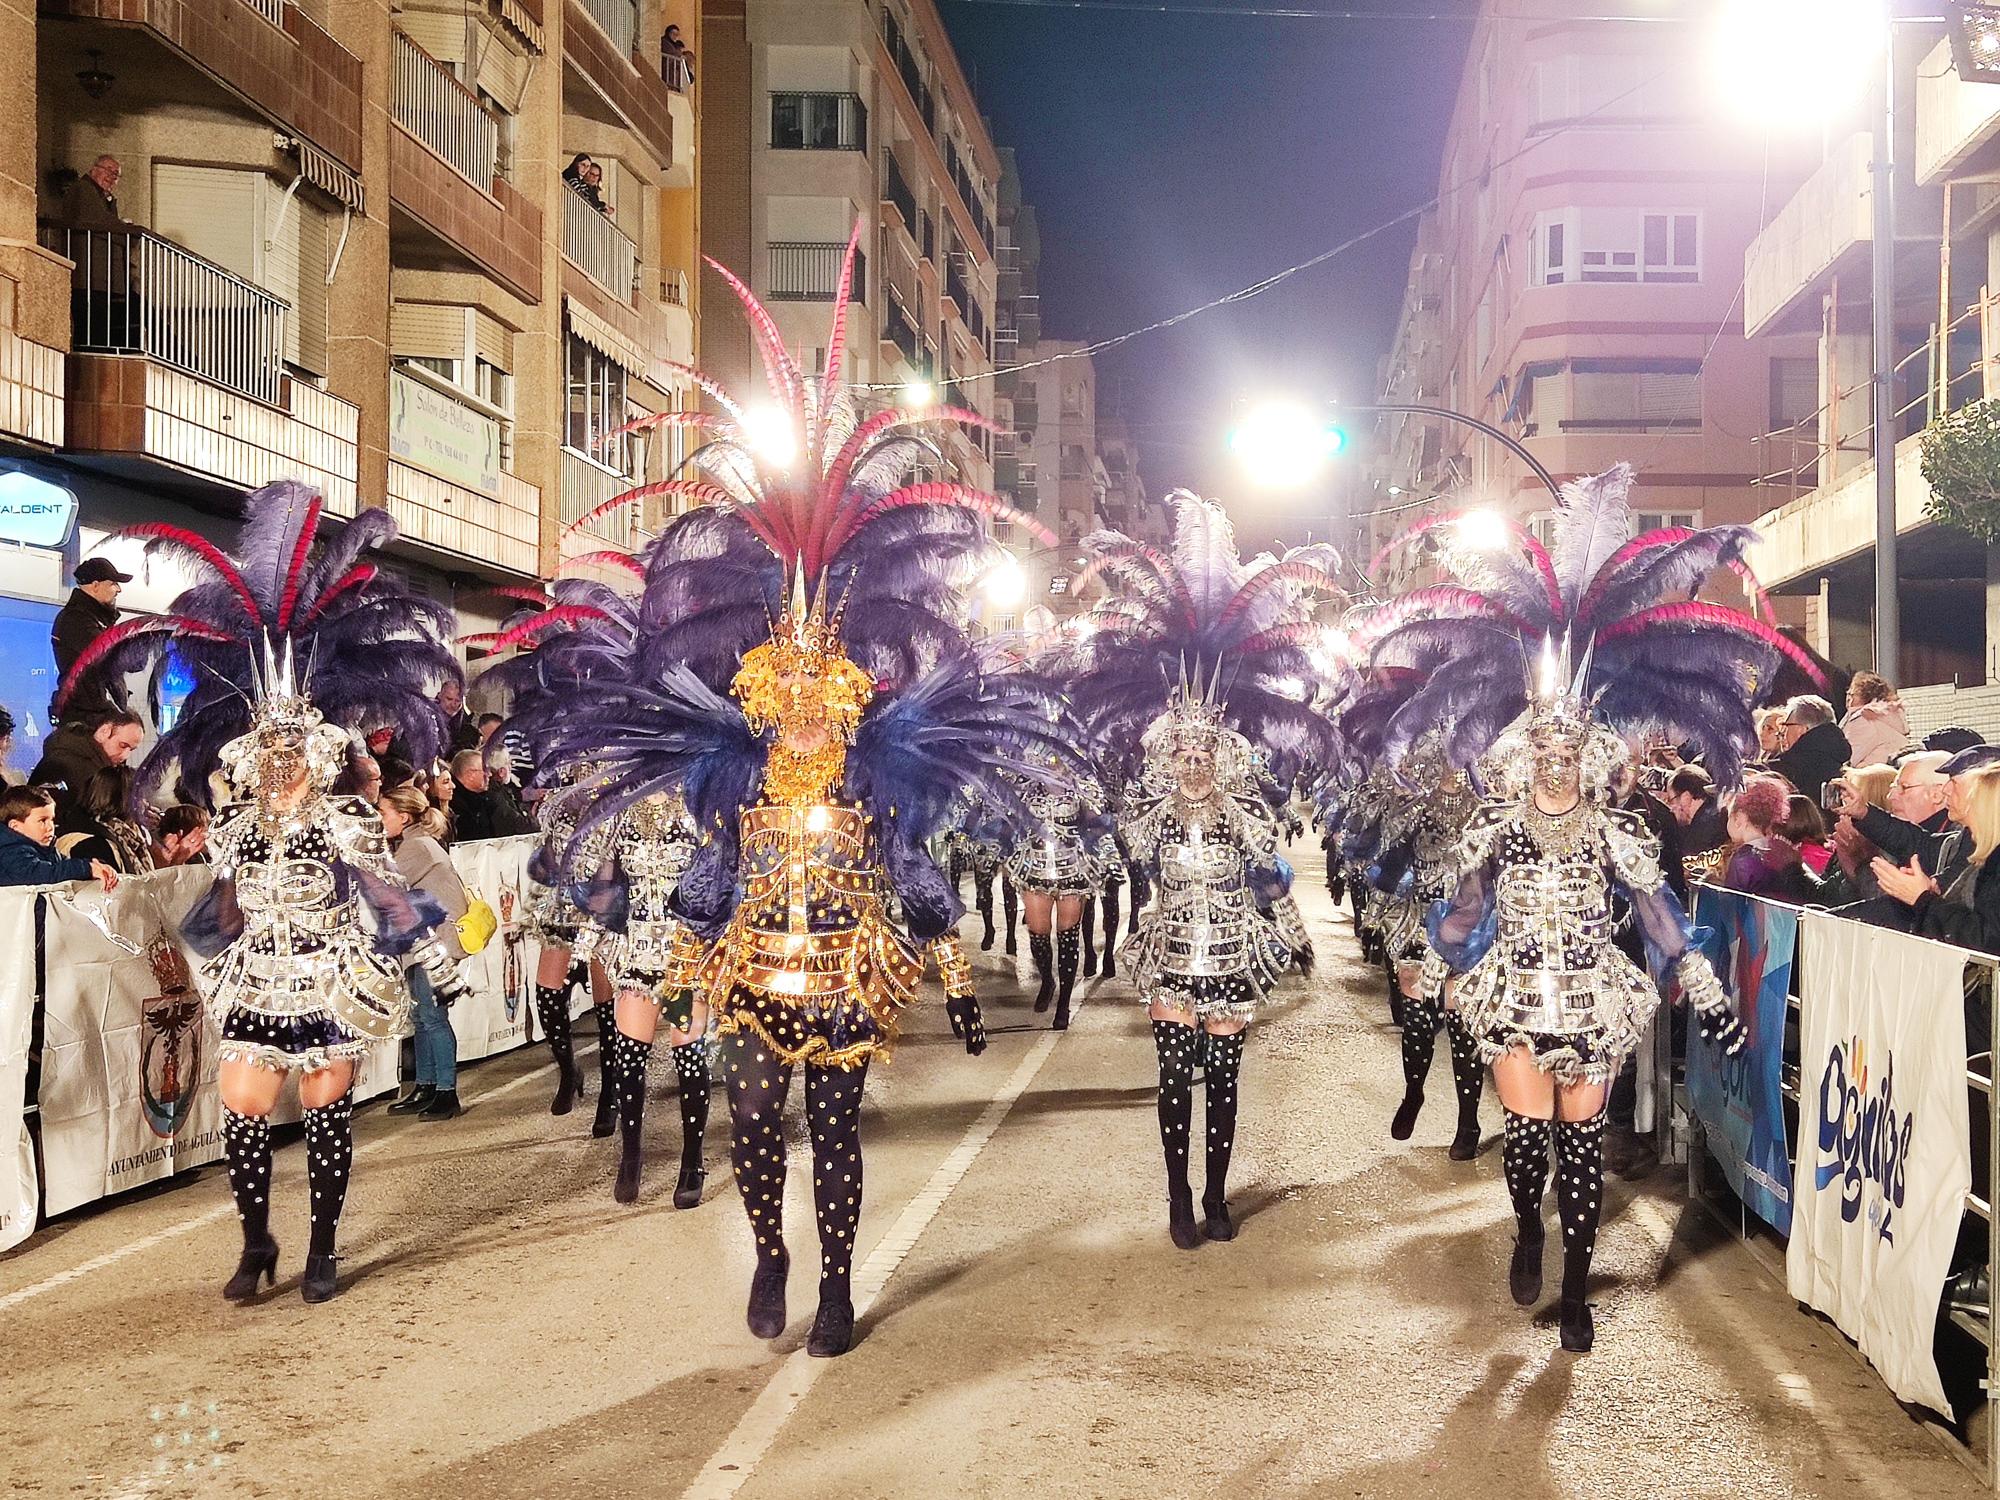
(1421, 1020)
(1579, 1197)
(1222, 1064)
(1524, 1158)
(1178, 1047)
(329, 1163)
(246, 1146)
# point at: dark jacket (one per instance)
(70, 757)
(461, 732)
(1967, 914)
(1817, 757)
(77, 624)
(1706, 831)
(1940, 849)
(491, 814)
(25, 862)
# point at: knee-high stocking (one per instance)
(1110, 903)
(1068, 946)
(552, 1010)
(1525, 1159)
(757, 1084)
(983, 890)
(1010, 907)
(625, 1086)
(1087, 928)
(1468, 1073)
(329, 1163)
(691, 1067)
(1042, 947)
(1220, 1068)
(246, 1146)
(607, 1069)
(1579, 1197)
(1421, 1020)
(833, 1114)
(1177, 1046)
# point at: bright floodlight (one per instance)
(1283, 444)
(769, 432)
(919, 394)
(1005, 584)
(1797, 62)
(1482, 530)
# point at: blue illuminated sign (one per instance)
(33, 512)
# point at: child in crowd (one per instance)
(27, 838)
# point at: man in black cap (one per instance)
(92, 609)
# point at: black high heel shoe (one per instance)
(1405, 1124)
(832, 1331)
(631, 1163)
(687, 1191)
(607, 1114)
(1524, 1272)
(259, 1263)
(1465, 1144)
(1579, 1331)
(1219, 1225)
(319, 1282)
(767, 1298)
(1180, 1221)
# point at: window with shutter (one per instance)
(427, 331)
(212, 211)
(295, 264)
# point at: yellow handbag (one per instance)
(477, 926)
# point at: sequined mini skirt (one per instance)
(304, 1043)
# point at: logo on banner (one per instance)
(511, 939)
(1868, 1143)
(170, 1054)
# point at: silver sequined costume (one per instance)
(649, 851)
(1064, 856)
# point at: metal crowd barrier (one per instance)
(1981, 969)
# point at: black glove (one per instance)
(966, 1022)
(1302, 957)
(1725, 1029)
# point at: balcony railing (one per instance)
(897, 329)
(599, 248)
(674, 287)
(271, 10)
(809, 271)
(620, 20)
(586, 484)
(135, 293)
(677, 73)
(818, 122)
(896, 191)
(445, 115)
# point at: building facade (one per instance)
(1577, 282)
(824, 114)
(254, 239)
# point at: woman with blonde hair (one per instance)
(416, 832)
(1966, 914)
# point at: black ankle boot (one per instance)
(1579, 1331)
(1180, 1220)
(1524, 1272)
(1069, 945)
(1405, 1123)
(320, 1278)
(986, 938)
(1465, 1144)
(418, 1098)
(1043, 947)
(687, 1188)
(767, 1297)
(833, 1329)
(1219, 1226)
(259, 1263)
(444, 1105)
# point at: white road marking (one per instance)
(751, 1438)
(175, 1231)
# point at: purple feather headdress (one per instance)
(1456, 658)
(1200, 614)
(324, 606)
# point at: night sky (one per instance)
(1176, 158)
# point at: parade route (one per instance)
(505, 1330)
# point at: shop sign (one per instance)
(33, 512)
(430, 431)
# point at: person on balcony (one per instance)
(91, 202)
(676, 61)
(585, 178)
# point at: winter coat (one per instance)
(76, 627)
(1967, 914)
(25, 862)
(70, 757)
(424, 866)
(1875, 732)
(1815, 759)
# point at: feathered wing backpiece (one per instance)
(369, 653)
(1456, 657)
(1199, 614)
(808, 548)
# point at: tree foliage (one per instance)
(1962, 466)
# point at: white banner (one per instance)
(1883, 1153)
(18, 1190)
(497, 1014)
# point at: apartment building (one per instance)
(1810, 273)
(1577, 283)
(821, 114)
(337, 247)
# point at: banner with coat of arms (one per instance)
(498, 1012)
(19, 1192)
(1884, 1160)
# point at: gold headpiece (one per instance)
(800, 678)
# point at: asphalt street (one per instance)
(505, 1330)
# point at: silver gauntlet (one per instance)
(1698, 983)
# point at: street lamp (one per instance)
(1283, 445)
(1005, 584)
(769, 432)
(919, 394)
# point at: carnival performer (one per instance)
(1204, 955)
(1429, 817)
(858, 729)
(1057, 864)
(568, 957)
(294, 648)
(1203, 829)
(976, 850)
(1612, 646)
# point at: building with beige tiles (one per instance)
(342, 249)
